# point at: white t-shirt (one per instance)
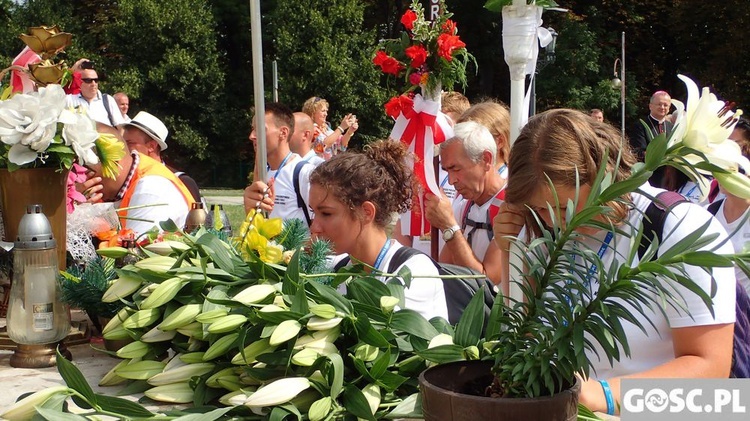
(739, 230)
(95, 108)
(655, 346)
(313, 158)
(285, 199)
(426, 296)
(155, 190)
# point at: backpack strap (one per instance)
(343, 262)
(105, 100)
(715, 206)
(300, 202)
(655, 216)
(401, 256)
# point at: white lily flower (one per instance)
(277, 392)
(705, 124)
(80, 133)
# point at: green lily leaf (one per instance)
(328, 295)
(443, 353)
(409, 408)
(122, 406)
(368, 290)
(337, 382)
(355, 403)
(208, 416)
(413, 323)
(367, 333)
(52, 415)
(75, 380)
(469, 327)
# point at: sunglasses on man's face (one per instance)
(90, 79)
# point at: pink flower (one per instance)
(415, 78)
(77, 174)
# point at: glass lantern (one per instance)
(36, 314)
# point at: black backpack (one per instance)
(458, 291)
(653, 224)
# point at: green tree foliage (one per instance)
(323, 50)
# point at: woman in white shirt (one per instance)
(353, 196)
(563, 146)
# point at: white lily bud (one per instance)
(141, 370)
(228, 323)
(122, 287)
(212, 315)
(285, 331)
(366, 352)
(171, 393)
(158, 335)
(325, 311)
(180, 374)
(220, 347)
(277, 392)
(388, 303)
(180, 317)
(135, 349)
(142, 318)
(25, 408)
(251, 352)
(319, 409)
(254, 294)
(112, 379)
(164, 292)
(372, 394)
(441, 339)
(305, 357)
(319, 323)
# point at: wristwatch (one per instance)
(449, 233)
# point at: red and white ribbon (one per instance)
(421, 127)
(20, 80)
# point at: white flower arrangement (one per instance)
(37, 130)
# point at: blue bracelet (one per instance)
(608, 397)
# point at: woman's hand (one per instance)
(345, 121)
(258, 192)
(508, 223)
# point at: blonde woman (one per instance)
(328, 141)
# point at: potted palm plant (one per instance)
(580, 308)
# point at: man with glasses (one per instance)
(100, 107)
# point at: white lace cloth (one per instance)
(86, 220)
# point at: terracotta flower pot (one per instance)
(446, 396)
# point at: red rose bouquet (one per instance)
(428, 54)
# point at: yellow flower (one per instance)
(255, 234)
(111, 152)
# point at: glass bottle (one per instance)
(36, 313)
(218, 220)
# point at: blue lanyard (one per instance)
(687, 195)
(445, 180)
(382, 254)
(592, 270)
(502, 169)
(283, 162)
(602, 251)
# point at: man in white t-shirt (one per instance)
(301, 140)
(282, 193)
(101, 107)
(469, 159)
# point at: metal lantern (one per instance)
(196, 218)
(37, 318)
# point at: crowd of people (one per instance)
(489, 192)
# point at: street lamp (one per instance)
(544, 60)
(618, 81)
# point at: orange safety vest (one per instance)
(149, 166)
